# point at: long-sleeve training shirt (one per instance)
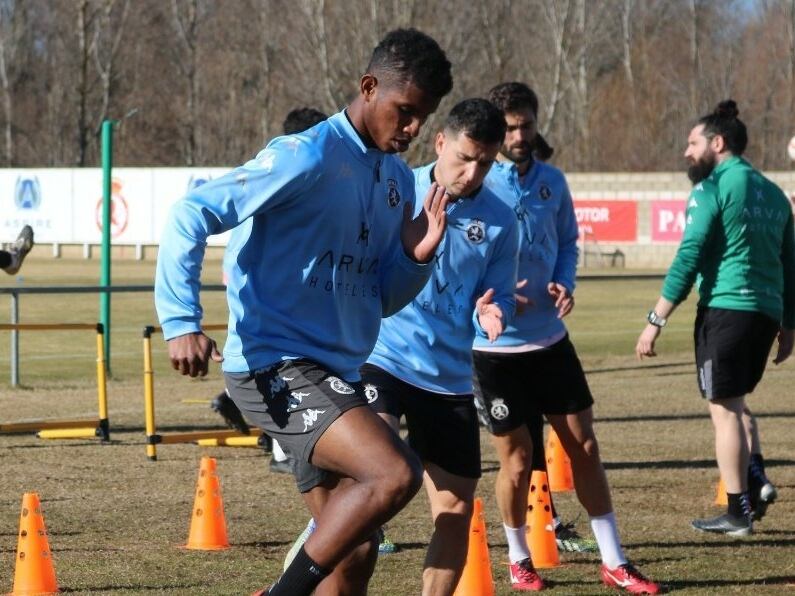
(738, 245)
(429, 342)
(317, 261)
(548, 234)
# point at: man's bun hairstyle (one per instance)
(410, 56)
(724, 121)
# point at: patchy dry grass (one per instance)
(115, 519)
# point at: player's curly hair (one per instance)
(479, 119)
(724, 121)
(301, 119)
(514, 96)
(410, 56)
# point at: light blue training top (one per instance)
(317, 261)
(429, 342)
(548, 234)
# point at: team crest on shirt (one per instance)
(544, 192)
(340, 386)
(476, 231)
(371, 393)
(499, 411)
(392, 194)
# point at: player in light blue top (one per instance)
(533, 368)
(328, 246)
(421, 366)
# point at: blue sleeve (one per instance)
(403, 278)
(501, 274)
(277, 175)
(565, 271)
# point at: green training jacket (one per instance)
(738, 245)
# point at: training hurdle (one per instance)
(203, 437)
(68, 429)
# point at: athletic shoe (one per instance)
(626, 577)
(524, 577)
(299, 542)
(223, 405)
(265, 443)
(725, 524)
(284, 466)
(570, 541)
(768, 493)
(385, 545)
(20, 249)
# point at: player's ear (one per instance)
(368, 86)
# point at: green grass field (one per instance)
(115, 519)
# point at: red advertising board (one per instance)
(607, 221)
(667, 220)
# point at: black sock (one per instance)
(301, 577)
(739, 504)
(5, 259)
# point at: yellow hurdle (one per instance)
(68, 433)
(236, 441)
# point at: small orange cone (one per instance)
(561, 479)
(476, 578)
(208, 524)
(34, 572)
(540, 527)
(721, 498)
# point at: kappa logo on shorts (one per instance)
(310, 417)
(371, 393)
(277, 385)
(295, 399)
(340, 386)
(499, 411)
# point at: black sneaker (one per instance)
(725, 524)
(284, 466)
(20, 249)
(224, 405)
(265, 443)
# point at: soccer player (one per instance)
(738, 246)
(533, 367)
(421, 366)
(328, 248)
(11, 260)
(297, 120)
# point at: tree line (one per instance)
(207, 82)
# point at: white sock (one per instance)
(517, 543)
(606, 533)
(278, 453)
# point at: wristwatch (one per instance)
(656, 319)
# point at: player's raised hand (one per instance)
(489, 315)
(422, 235)
(191, 353)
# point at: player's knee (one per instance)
(517, 466)
(401, 482)
(586, 449)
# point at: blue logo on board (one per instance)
(27, 193)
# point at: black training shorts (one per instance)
(732, 348)
(512, 389)
(294, 402)
(442, 429)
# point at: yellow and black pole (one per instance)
(152, 439)
(103, 430)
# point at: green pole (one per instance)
(104, 298)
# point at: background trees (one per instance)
(620, 81)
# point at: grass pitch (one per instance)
(115, 519)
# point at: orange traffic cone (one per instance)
(34, 572)
(476, 578)
(561, 479)
(208, 525)
(540, 527)
(721, 498)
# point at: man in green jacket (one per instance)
(739, 247)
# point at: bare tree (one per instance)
(107, 37)
(186, 15)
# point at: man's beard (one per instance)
(518, 158)
(702, 168)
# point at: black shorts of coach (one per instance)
(514, 389)
(442, 429)
(732, 348)
(294, 402)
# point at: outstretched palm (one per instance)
(422, 235)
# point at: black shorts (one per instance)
(294, 402)
(512, 389)
(732, 347)
(442, 429)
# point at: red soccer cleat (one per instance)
(524, 577)
(626, 577)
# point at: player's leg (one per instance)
(761, 491)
